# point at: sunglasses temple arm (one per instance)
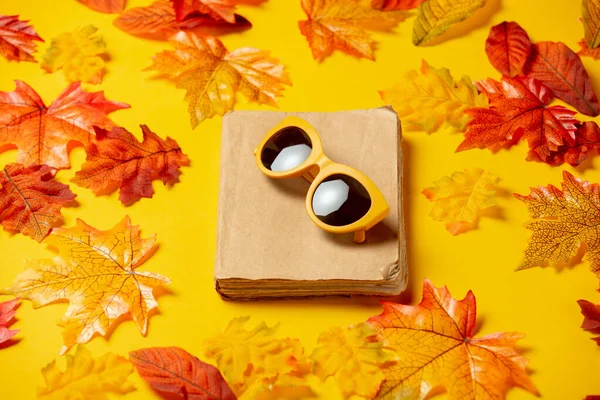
(360, 236)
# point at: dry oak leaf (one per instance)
(590, 16)
(31, 200)
(508, 47)
(430, 99)
(591, 322)
(157, 21)
(388, 5)
(86, 378)
(560, 69)
(17, 39)
(105, 6)
(587, 52)
(434, 17)
(457, 199)
(116, 159)
(353, 358)
(342, 24)
(96, 271)
(435, 347)
(519, 108)
(42, 133)
(8, 309)
(244, 356)
(172, 370)
(212, 76)
(79, 54)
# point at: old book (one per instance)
(268, 247)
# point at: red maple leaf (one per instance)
(587, 138)
(591, 322)
(116, 159)
(8, 309)
(17, 39)
(508, 47)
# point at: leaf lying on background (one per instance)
(212, 76)
(86, 378)
(587, 52)
(354, 360)
(217, 9)
(430, 99)
(96, 271)
(42, 133)
(457, 199)
(175, 371)
(157, 21)
(587, 138)
(559, 68)
(519, 108)
(389, 5)
(105, 6)
(17, 39)
(437, 16)
(289, 387)
(508, 47)
(31, 200)
(435, 347)
(8, 309)
(246, 356)
(563, 222)
(116, 159)
(591, 322)
(590, 17)
(341, 25)
(78, 53)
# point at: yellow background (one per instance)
(565, 363)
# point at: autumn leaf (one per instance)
(341, 25)
(17, 39)
(590, 16)
(561, 70)
(244, 356)
(430, 99)
(85, 377)
(42, 133)
(116, 159)
(457, 199)
(587, 52)
(31, 200)
(563, 222)
(157, 21)
(217, 9)
(436, 16)
(354, 360)
(591, 322)
(79, 54)
(105, 6)
(96, 271)
(587, 138)
(289, 387)
(388, 5)
(508, 47)
(212, 76)
(175, 371)
(435, 348)
(519, 108)
(8, 309)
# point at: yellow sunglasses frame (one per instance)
(318, 167)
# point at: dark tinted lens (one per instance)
(287, 149)
(340, 200)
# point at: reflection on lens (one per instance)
(287, 149)
(340, 200)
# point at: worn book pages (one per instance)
(267, 246)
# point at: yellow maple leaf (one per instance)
(342, 24)
(354, 360)
(212, 76)
(430, 99)
(434, 17)
(96, 271)
(245, 356)
(86, 378)
(458, 199)
(78, 53)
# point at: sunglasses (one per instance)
(340, 199)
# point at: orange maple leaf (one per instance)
(587, 52)
(212, 76)
(8, 309)
(42, 133)
(105, 6)
(591, 321)
(218, 9)
(17, 39)
(30, 199)
(172, 370)
(436, 348)
(341, 24)
(96, 271)
(116, 159)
